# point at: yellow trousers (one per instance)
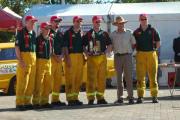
(96, 77)
(43, 82)
(57, 79)
(25, 79)
(74, 75)
(146, 64)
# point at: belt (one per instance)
(97, 54)
(121, 54)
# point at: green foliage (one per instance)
(7, 37)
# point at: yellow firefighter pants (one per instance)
(146, 63)
(96, 80)
(43, 82)
(57, 79)
(74, 75)
(25, 79)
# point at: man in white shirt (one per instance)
(123, 43)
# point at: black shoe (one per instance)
(59, 103)
(131, 100)
(36, 106)
(91, 102)
(20, 108)
(28, 107)
(102, 101)
(140, 100)
(71, 103)
(77, 102)
(119, 101)
(155, 100)
(47, 105)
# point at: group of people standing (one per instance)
(39, 70)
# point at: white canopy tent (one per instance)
(164, 16)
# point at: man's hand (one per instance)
(58, 58)
(68, 61)
(22, 64)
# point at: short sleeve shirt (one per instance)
(101, 36)
(122, 41)
(44, 47)
(145, 40)
(73, 41)
(26, 41)
(58, 42)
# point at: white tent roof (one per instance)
(70, 10)
(105, 9)
(149, 8)
(45, 11)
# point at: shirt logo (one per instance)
(73, 35)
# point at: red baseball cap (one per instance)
(55, 18)
(29, 17)
(96, 18)
(76, 18)
(144, 15)
(45, 25)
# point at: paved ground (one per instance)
(167, 109)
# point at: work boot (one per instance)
(155, 100)
(20, 108)
(59, 103)
(77, 102)
(47, 105)
(28, 107)
(140, 100)
(37, 106)
(102, 101)
(131, 100)
(91, 102)
(119, 101)
(71, 103)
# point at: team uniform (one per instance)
(96, 44)
(43, 76)
(146, 59)
(74, 42)
(56, 66)
(26, 41)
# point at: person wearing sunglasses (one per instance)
(147, 44)
(43, 68)
(57, 56)
(123, 43)
(96, 44)
(74, 60)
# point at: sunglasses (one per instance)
(143, 19)
(78, 21)
(47, 28)
(98, 22)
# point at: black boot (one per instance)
(155, 100)
(91, 102)
(59, 103)
(102, 101)
(140, 100)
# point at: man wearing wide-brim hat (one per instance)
(119, 20)
(123, 43)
